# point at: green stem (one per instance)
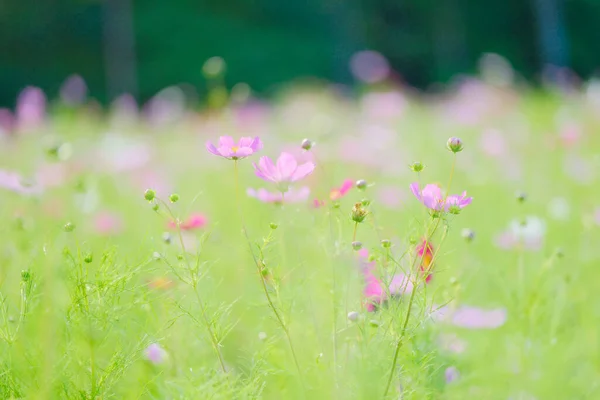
(279, 318)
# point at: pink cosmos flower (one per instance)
(472, 317)
(374, 292)
(320, 203)
(107, 223)
(284, 172)
(291, 196)
(231, 150)
(156, 354)
(425, 255)
(194, 221)
(31, 107)
(73, 90)
(432, 197)
(15, 183)
(338, 193)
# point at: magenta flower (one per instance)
(432, 197)
(338, 193)
(227, 148)
(193, 222)
(291, 196)
(284, 172)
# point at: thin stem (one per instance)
(355, 229)
(279, 318)
(194, 284)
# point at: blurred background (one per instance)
(140, 47)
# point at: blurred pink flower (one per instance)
(231, 150)
(471, 317)
(284, 172)
(31, 108)
(391, 196)
(156, 354)
(338, 193)
(7, 121)
(451, 374)
(369, 66)
(291, 196)
(15, 183)
(194, 221)
(73, 90)
(492, 143)
(383, 105)
(318, 203)
(570, 135)
(431, 197)
(52, 175)
(374, 292)
(108, 223)
(425, 255)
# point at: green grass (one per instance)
(77, 311)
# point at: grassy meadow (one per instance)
(109, 290)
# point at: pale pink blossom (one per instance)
(31, 108)
(285, 171)
(228, 148)
(432, 197)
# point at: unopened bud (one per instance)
(521, 196)
(88, 258)
(213, 67)
(386, 243)
(359, 213)
(166, 237)
(149, 194)
(155, 207)
(365, 202)
(25, 275)
(468, 234)
(174, 198)
(361, 184)
(416, 167)
(273, 225)
(372, 257)
(307, 144)
(356, 245)
(353, 316)
(69, 227)
(454, 144)
(560, 253)
(374, 323)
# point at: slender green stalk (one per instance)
(194, 283)
(278, 316)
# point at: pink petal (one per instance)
(243, 152)
(400, 284)
(225, 151)
(286, 165)
(414, 187)
(302, 171)
(212, 149)
(226, 141)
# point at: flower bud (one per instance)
(374, 323)
(166, 237)
(359, 213)
(25, 275)
(454, 144)
(356, 245)
(353, 316)
(273, 225)
(365, 202)
(213, 67)
(521, 197)
(361, 184)
(174, 198)
(372, 257)
(468, 234)
(155, 207)
(307, 144)
(69, 227)
(416, 166)
(386, 243)
(88, 258)
(149, 194)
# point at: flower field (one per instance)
(326, 244)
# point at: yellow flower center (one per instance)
(235, 149)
